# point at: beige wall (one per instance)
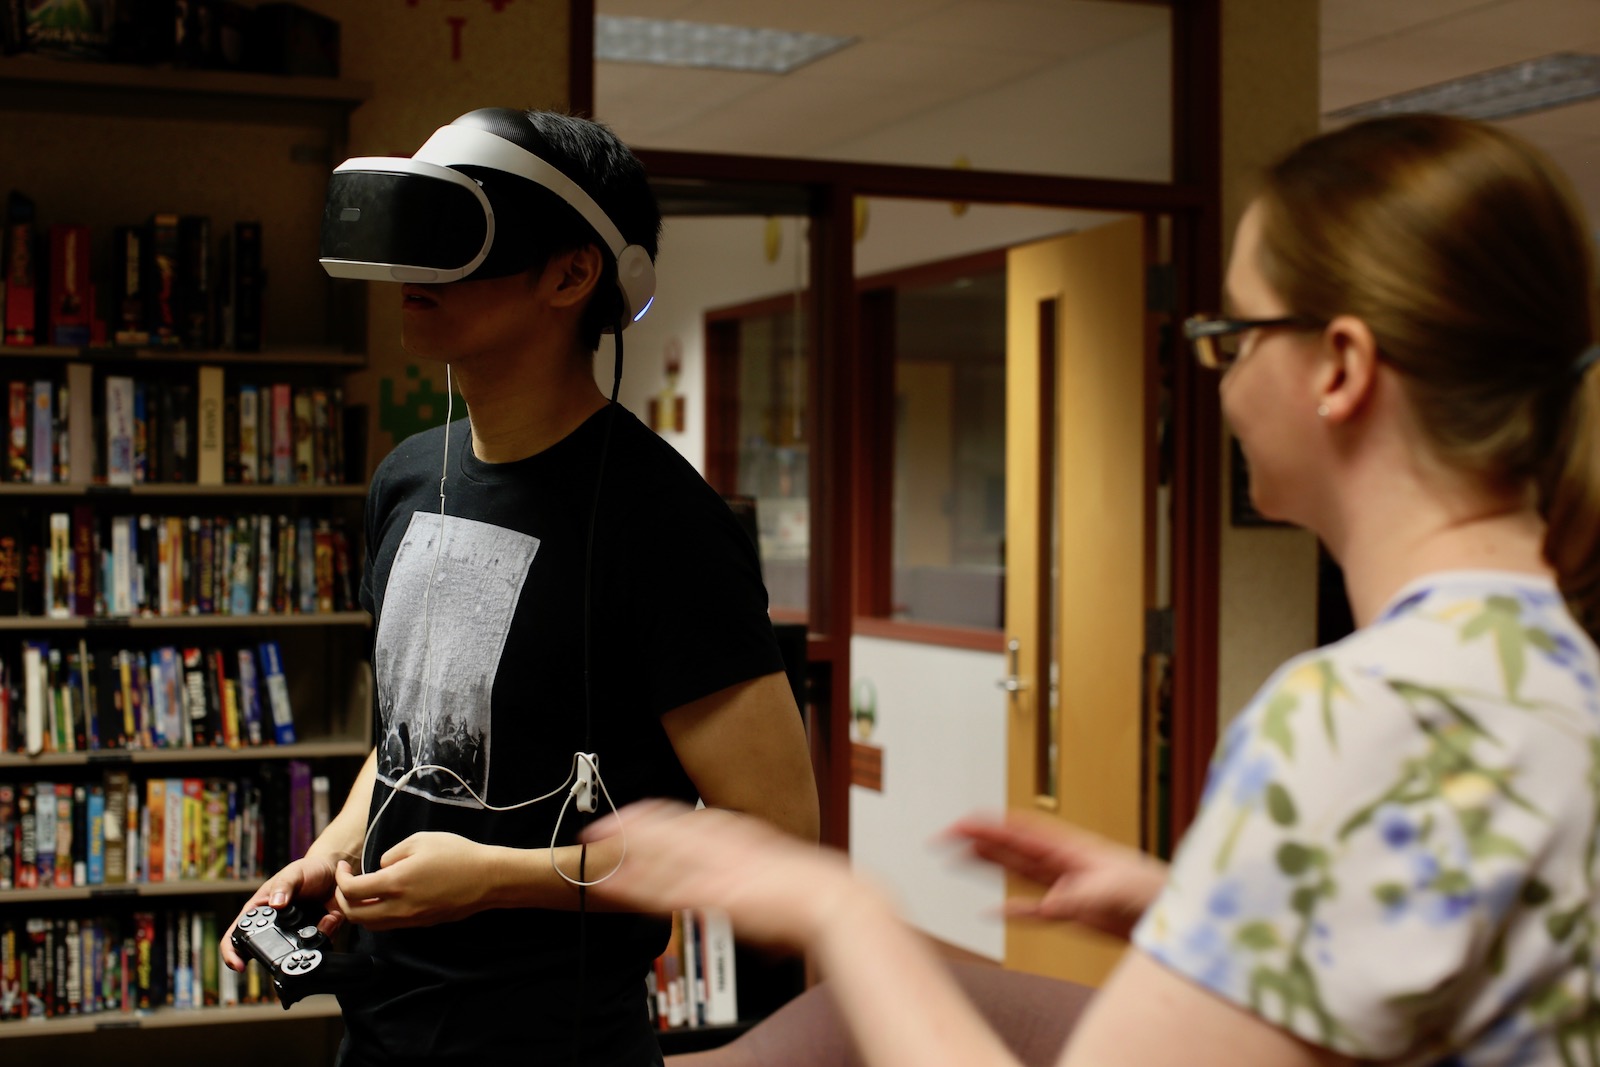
(1269, 102)
(427, 64)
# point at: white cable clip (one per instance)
(585, 797)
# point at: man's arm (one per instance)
(345, 833)
(745, 749)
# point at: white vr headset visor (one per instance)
(392, 219)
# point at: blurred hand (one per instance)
(309, 882)
(1089, 879)
(776, 888)
(430, 877)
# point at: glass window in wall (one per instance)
(773, 449)
(948, 498)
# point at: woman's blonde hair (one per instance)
(1467, 255)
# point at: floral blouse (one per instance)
(1396, 853)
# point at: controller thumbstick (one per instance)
(289, 915)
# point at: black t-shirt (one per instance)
(676, 611)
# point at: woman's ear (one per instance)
(1349, 368)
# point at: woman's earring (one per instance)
(1322, 411)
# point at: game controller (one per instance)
(299, 957)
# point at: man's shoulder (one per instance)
(652, 456)
(422, 451)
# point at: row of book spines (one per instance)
(694, 982)
(56, 966)
(122, 832)
(85, 564)
(165, 291)
(137, 432)
(86, 700)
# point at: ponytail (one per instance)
(1570, 500)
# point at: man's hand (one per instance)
(310, 880)
(1089, 879)
(430, 877)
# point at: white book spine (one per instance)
(122, 591)
(210, 469)
(722, 1005)
(264, 564)
(33, 698)
(119, 430)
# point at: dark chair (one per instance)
(1033, 1015)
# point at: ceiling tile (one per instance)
(879, 62)
(854, 18)
(1071, 27)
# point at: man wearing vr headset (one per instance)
(569, 619)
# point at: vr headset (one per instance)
(422, 219)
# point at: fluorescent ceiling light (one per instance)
(1533, 85)
(673, 43)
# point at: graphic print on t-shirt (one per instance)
(443, 719)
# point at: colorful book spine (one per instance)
(301, 820)
(8, 833)
(71, 306)
(21, 277)
(249, 426)
(42, 443)
(19, 463)
(277, 686)
(282, 434)
(80, 424)
(96, 872)
(161, 283)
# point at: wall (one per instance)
(941, 725)
(1268, 579)
(704, 263)
(429, 61)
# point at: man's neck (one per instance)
(517, 413)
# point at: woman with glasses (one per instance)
(1397, 855)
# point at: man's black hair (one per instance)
(532, 224)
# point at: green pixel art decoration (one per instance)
(423, 407)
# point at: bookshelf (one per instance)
(105, 145)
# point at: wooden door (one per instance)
(1079, 554)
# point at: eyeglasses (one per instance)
(1217, 342)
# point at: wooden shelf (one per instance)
(322, 1006)
(320, 749)
(45, 72)
(176, 888)
(306, 356)
(185, 622)
(179, 489)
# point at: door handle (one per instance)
(1013, 682)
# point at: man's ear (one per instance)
(1349, 368)
(573, 276)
